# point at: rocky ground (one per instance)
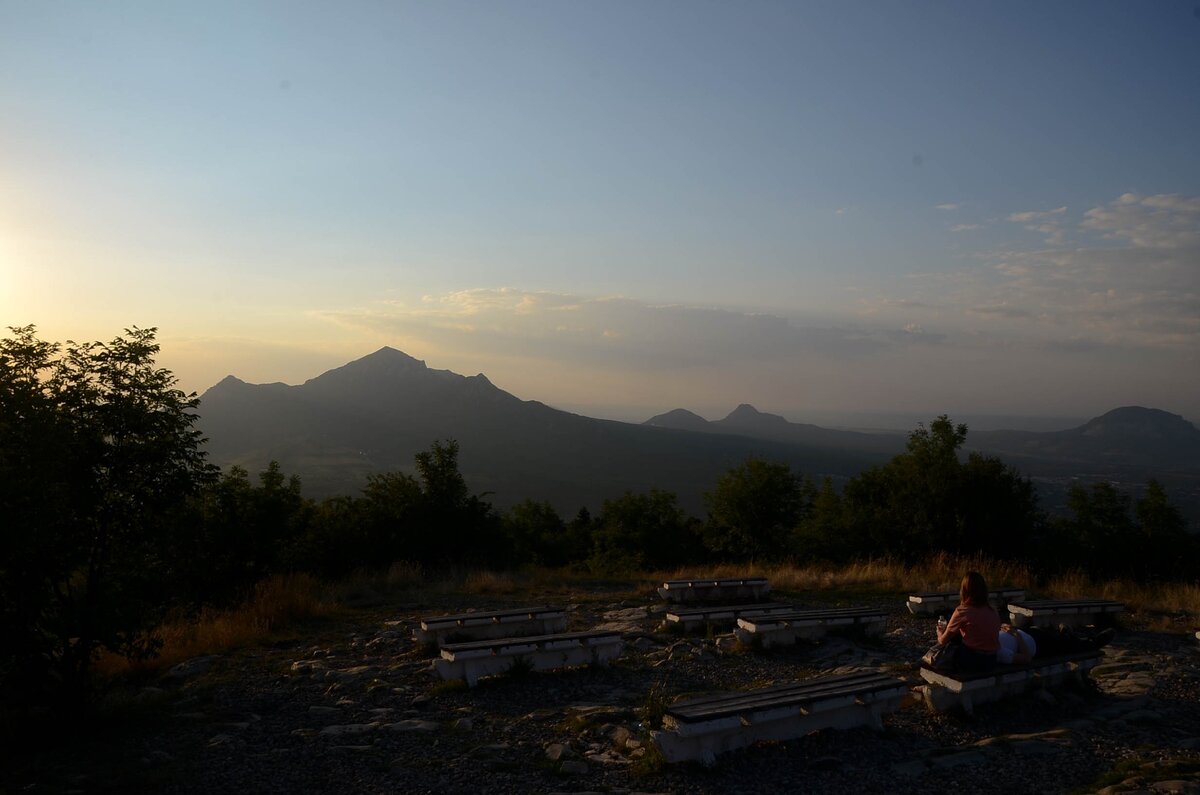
(351, 706)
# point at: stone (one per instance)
(558, 751)
(189, 668)
(620, 735)
(825, 763)
(463, 725)
(420, 702)
(914, 767)
(317, 710)
(727, 643)
(973, 758)
(348, 728)
(573, 767)
(1143, 716)
(1033, 748)
(413, 726)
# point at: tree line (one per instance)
(112, 517)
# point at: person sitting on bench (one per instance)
(974, 624)
(1024, 645)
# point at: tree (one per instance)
(98, 457)
(636, 532)
(433, 518)
(926, 499)
(754, 511)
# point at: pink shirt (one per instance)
(979, 626)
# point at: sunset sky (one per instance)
(619, 208)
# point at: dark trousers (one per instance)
(1053, 642)
(970, 661)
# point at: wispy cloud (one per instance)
(1165, 221)
(947, 206)
(965, 227)
(1036, 215)
(1136, 287)
(615, 331)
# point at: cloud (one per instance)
(1163, 221)
(618, 332)
(965, 227)
(1036, 215)
(947, 206)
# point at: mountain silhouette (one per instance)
(1125, 441)
(375, 413)
(745, 420)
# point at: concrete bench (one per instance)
(690, 618)
(745, 589)
(945, 691)
(470, 661)
(700, 728)
(1068, 612)
(496, 624)
(946, 601)
(783, 629)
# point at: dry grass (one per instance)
(943, 572)
(279, 601)
(490, 582)
(275, 603)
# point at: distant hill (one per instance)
(1126, 440)
(373, 414)
(746, 420)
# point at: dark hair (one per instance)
(973, 590)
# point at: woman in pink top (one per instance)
(974, 624)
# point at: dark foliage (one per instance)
(98, 459)
(111, 515)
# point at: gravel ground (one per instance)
(354, 707)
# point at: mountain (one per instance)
(1125, 440)
(373, 414)
(746, 420)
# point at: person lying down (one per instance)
(1024, 645)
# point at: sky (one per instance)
(825, 209)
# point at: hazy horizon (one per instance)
(825, 210)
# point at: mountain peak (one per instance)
(1139, 421)
(745, 414)
(678, 418)
(391, 355)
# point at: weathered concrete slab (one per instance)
(715, 591)
(470, 661)
(694, 617)
(701, 728)
(1065, 612)
(784, 629)
(946, 601)
(510, 623)
(946, 691)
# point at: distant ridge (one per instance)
(680, 419)
(745, 420)
(374, 414)
(1121, 442)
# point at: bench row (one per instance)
(698, 729)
